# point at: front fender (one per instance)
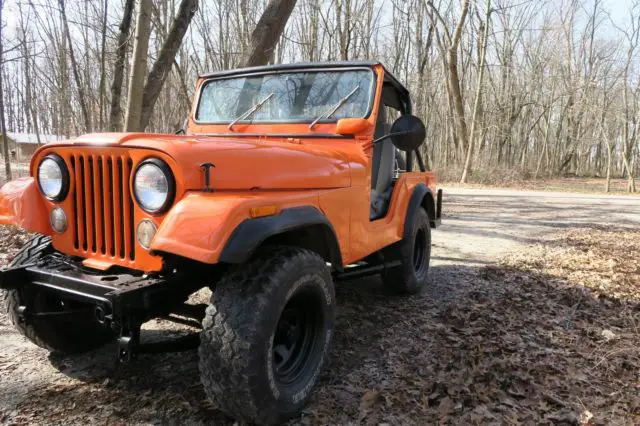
(22, 205)
(200, 224)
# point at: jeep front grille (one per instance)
(103, 206)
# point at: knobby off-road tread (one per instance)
(402, 279)
(231, 330)
(34, 249)
(80, 338)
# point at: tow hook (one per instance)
(128, 341)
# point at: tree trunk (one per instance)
(118, 68)
(454, 79)
(162, 67)
(268, 31)
(631, 183)
(476, 103)
(74, 68)
(607, 186)
(3, 128)
(30, 109)
(103, 77)
(138, 67)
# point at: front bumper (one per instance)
(121, 301)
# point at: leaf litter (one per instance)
(549, 335)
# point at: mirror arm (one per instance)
(375, 141)
(409, 161)
(420, 162)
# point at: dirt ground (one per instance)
(532, 316)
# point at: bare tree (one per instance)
(5, 141)
(138, 68)
(74, 67)
(558, 86)
(166, 58)
(268, 31)
(119, 67)
(484, 26)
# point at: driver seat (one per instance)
(382, 168)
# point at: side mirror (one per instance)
(408, 133)
(351, 126)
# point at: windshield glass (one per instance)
(292, 97)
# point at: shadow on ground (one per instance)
(481, 344)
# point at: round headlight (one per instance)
(53, 178)
(153, 185)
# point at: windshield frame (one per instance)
(372, 94)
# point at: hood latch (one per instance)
(206, 167)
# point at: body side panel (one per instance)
(370, 236)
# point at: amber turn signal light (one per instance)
(263, 211)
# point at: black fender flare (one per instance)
(421, 197)
(251, 233)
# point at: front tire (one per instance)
(66, 337)
(414, 255)
(267, 334)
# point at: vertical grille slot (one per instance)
(107, 191)
(121, 204)
(76, 241)
(103, 206)
(130, 231)
(98, 195)
(80, 189)
(91, 205)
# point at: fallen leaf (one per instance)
(369, 398)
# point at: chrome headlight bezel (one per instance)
(64, 172)
(164, 168)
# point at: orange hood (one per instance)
(240, 163)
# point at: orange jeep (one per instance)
(285, 179)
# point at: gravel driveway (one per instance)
(483, 224)
(479, 227)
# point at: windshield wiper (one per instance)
(248, 113)
(334, 108)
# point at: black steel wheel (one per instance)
(267, 334)
(73, 327)
(414, 255)
(298, 333)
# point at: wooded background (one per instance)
(507, 88)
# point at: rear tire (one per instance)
(414, 254)
(267, 334)
(61, 337)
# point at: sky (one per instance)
(618, 9)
